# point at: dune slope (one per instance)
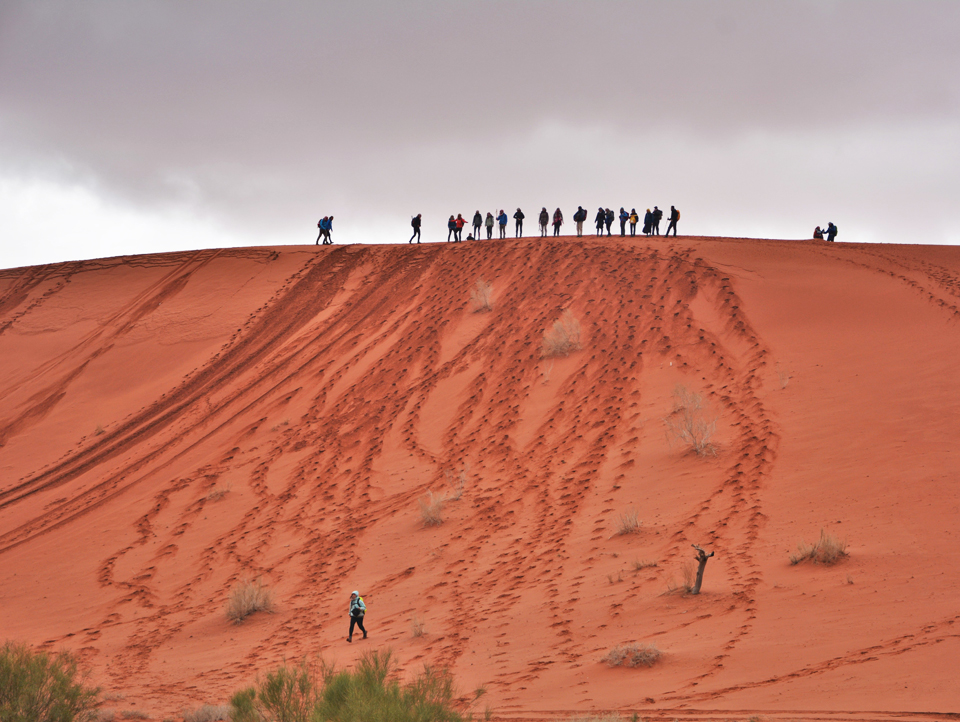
(173, 424)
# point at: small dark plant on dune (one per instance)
(36, 686)
(633, 655)
(827, 550)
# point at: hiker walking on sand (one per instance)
(609, 219)
(634, 218)
(673, 218)
(831, 232)
(657, 215)
(329, 232)
(451, 228)
(624, 216)
(489, 224)
(461, 222)
(502, 220)
(647, 222)
(477, 222)
(518, 217)
(544, 222)
(321, 224)
(601, 216)
(557, 222)
(357, 610)
(580, 216)
(415, 224)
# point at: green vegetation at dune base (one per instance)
(36, 686)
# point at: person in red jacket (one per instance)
(460, 224)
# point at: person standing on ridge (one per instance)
(831, 232)
(502, 221)
(330, 230)
(321, 225)
(357, 611)
(673, 218)
(489, 224)
(579, 217)
(624, 216)
(544, 222)
(657, 215)
(608, 217)
(452, 229)
(415, 224)
(518, 217)
(601, 216)
(557, 222)
(477, 223)
(647, 222)
(461, 222)
(634, 218)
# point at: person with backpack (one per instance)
(831, 232)
(601, 217)
(624, 217)
(657, 215)
(415, 224)
(461, 222)
(579, 217)
(502, 221)
(357, 612)
(608, 218)
(544, 222)
(489, 224)
(452, 229)
(634, 218)
(321, 225)
(518, 217)
(647, 222)
(673, 218)
(557, 222)
(477, 223)
(330, 230)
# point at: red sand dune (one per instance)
(330, 388)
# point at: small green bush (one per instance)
(315, 692)
(36, 686)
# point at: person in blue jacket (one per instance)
(452, 229)
(624, 217)
(502, 220)
(357, 612)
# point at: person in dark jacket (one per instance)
(601, 217)
(831, 232)
(608, 217)
(502, 221)
(415, 223)
(322, 226)
(544, 222)
(673, 218)
(579, 217)
(452, 229)
(647, 222)
(624, 216)
(518, 217)
(657, 215)
(358, 611)
(477, 223)
(557, 222)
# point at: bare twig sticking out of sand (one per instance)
(687, 423)
(827, 550)
(481, 296)
(563, 336)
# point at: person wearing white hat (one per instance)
(357, 610)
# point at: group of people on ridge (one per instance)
(830, 233)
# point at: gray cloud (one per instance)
(262, 115)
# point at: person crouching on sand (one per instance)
(357, 610)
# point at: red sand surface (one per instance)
(330, 388)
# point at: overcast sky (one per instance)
(134, 126)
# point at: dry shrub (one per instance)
(687, 422)
(457, 483)
(481, 296)
(632, 655)
(248, 597)
(219, 491)
(207, 713)
(689, 579)
(563, 337)
(431, 509)
(827, 550)
(417, 626)
(640, 564)
(628, 522)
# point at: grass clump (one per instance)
(688, 424)
(39, 686)
(431, 508)
(481, 296)
(417, 626)
(563, 337)
(628, 522)
(219, 491)
(633, 655)
(208, 713)
(641, 564)
(371, 692)
(248, 597)
(827, 550)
